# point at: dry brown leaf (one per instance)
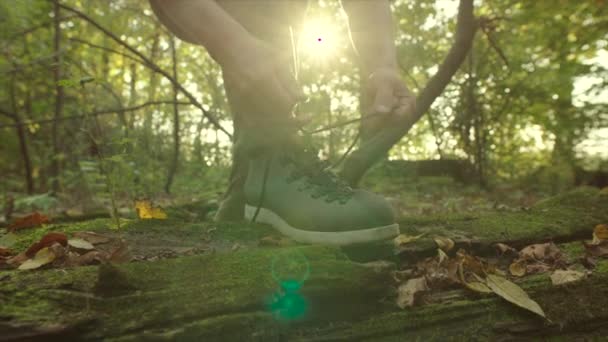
(92, 237)
(32, 220)
(5, 252)
(89, 258)
(518, 268)
(406, 293)
(43, 256)
(17, 259)
(121, 254)
(46, 241)
(597, 250)
(513, 293)
(560, 277)
(541, 251)
(446, 244)
(504, 248)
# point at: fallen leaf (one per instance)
(17, 259)
(89, 258)
(518, 268)
(42, 257)
(441, 255)
(600, 232)
(406, 293)
(146, 211)
(121, 254)
(403, 239)
(5, 252)
(32, 220)
(477, 286)
(80, 244)
(7, 240)
(400, 276)
(560, 277)
(513, 293)
(596, 250)
(92, 237)
(541, 251)
(235, 247)
(537, 267)
(47, 241)
(504, 248)
(446, 244)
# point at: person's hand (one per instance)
(263, 76)
(386, 96)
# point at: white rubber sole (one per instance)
(339, 238)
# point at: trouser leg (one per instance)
(269, 21)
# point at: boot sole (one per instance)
(339, 238)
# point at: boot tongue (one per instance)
(304, 157)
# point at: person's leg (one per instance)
(268, 20)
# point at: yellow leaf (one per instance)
(600, 232)
(42, 257)
(146, 211)
(518, 268)
(446, 244)
(403, 239)
(513, 293)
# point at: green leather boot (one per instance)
(288, 188)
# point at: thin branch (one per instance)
(126, 55)
(95, 113)
(39, 26)
(150, 64)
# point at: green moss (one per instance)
(566, 214)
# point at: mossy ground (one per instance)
(222, 295)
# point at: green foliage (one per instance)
(522, 75)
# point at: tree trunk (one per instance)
(59, 99)
(176, 141)
(153, 84)
(378, 146)
(21, 134)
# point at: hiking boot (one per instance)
(290, 189)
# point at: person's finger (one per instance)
(384, 99)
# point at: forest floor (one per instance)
(469, 265)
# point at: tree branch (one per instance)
(95, 113)
(150, 64)
(377, 147)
